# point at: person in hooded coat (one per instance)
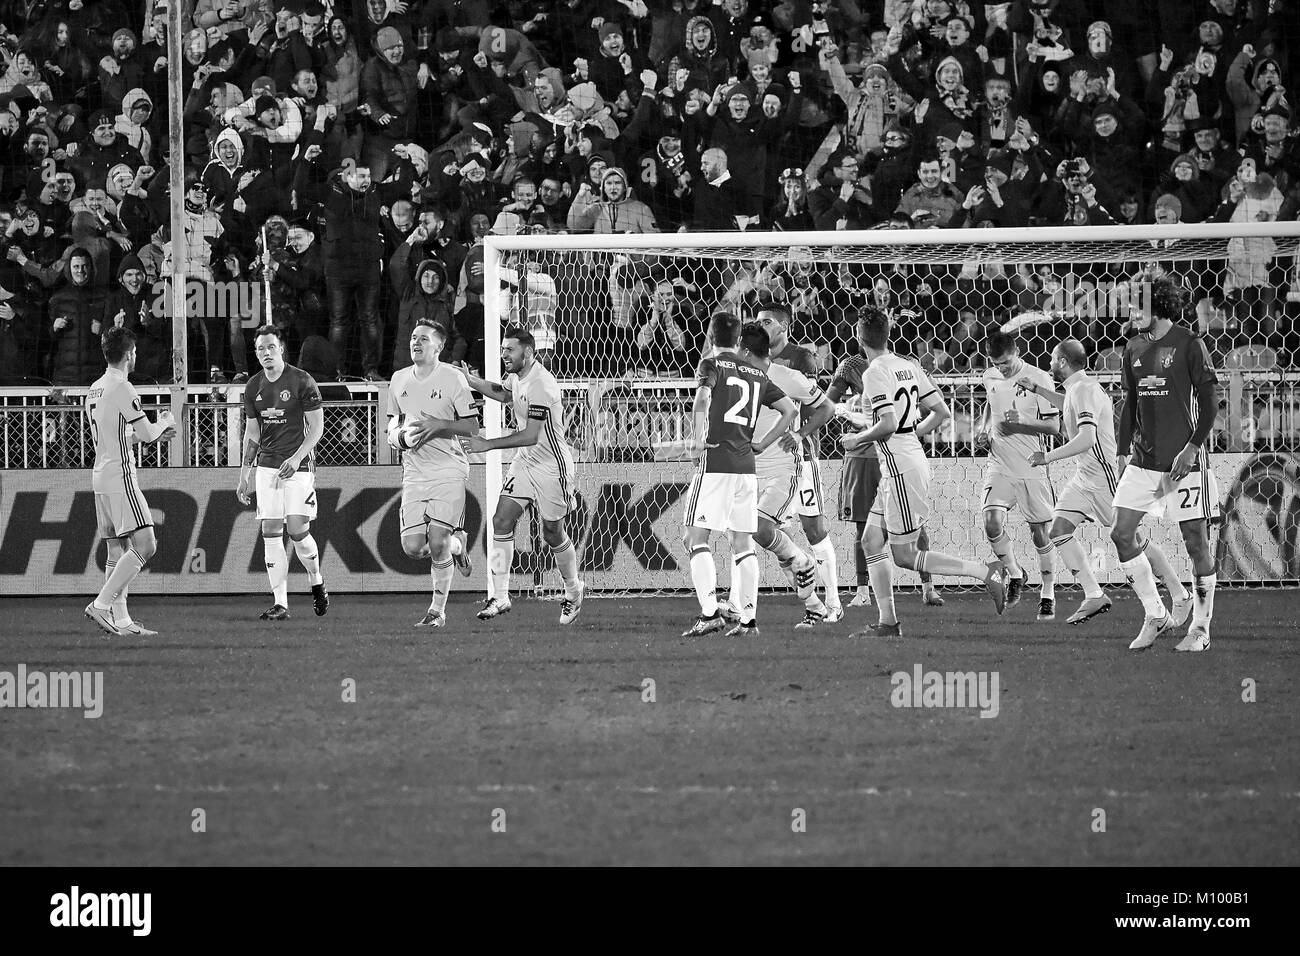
(616, 211)
(699, 53)
(423, 295)
(76, 314)
(1196, 195)
(137, 109)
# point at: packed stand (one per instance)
(343, 163)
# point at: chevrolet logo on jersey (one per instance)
(1151, 381)
(273, 413)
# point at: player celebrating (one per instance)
(1168, 415)
(1015, 423)
(541, 471)
(860, 476)
(435, 400)
(775, 320)
(906, 407)
(112, 404)
(723, 496)
(1088, 496)
(285, 419)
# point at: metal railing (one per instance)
(605, 420)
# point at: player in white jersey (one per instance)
(778, 470)
(430, 407)
(1089, 424)
(775, 319)
(113, 406)
(542, 471)
(1016, 423)
(906, 407)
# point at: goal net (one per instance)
(621, 321)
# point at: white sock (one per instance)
(277, 569)
(121, 615)
(1006, 554)
(1144, 585)
(440, 572)
(782, 546)
(1047, 567)
(116, 581)
(1074, 558)
(566, 559)
(936, 562)
(1164, 569)
(305, 548)
(704, 575)
(453, 543)
(823, 553)
(745, 567)
(1203, 610)
(503, 555)
(881, 571)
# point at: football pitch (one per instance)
(615, 741)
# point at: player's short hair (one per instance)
(778, 308)
(520, 335)
(998, 343)
(725, 327)
(754, 340)
(116, 342)
(873, 327)
(269, 329)
(1074, 352)
(433, 326)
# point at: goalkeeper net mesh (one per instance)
(622, 328)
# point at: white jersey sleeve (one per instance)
(1009, 455)
(895, 382)
(775, 460)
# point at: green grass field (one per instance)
(246, 720)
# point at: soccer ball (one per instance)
(401, 433)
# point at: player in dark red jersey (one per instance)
(724, 492)
(1169, 408)
(285, 419)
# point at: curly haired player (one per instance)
(1169, 407)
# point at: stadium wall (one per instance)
(628, 520)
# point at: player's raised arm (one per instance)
(498, 393)
(530, 434)
(1057, 399)
(144, 429)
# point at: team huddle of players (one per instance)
(756, 414)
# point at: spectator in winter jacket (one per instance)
(719, 201)
(617, 210)
(941, 200)
(137, 108)
(390, 86)
(76, 315)
(19, 337)
(341, 67)
(1253, 85)
(841, 200)
(105, 148)
(423, 295)
(120, 69)
(131, 304)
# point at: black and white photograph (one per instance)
(650, 433)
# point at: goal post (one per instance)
(620, 320)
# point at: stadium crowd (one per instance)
(350, 158)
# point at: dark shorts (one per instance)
(859, 481)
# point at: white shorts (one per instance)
(1194, 498)
(441, 503)
(1088, 500)
(122, 512)
(722, 502)
(549, 491)
(278, 499)
(810, 488)
(777, 495)
(1034, 496)
(903, 503)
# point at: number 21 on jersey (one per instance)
(746, 403)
